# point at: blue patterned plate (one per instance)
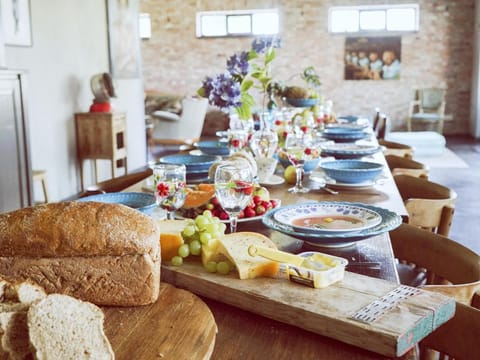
(342, 135)
(390, 221)
(213, 147)
(141, 201)
(327, 217)
(349, 150)
(193, 163)
(301, 102)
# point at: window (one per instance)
(237, 23)
(371, 19)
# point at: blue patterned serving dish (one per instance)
(137, 200)
(327, 217)
(352, 171)
(390, 221)
(301, 102)
(349, 150)
(193, 163)
(213, 147)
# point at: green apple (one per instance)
(262, 192)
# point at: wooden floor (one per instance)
(466, 182)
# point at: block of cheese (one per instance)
(235, 248)
(108, 254)
(171, 237)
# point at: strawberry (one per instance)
(308, 151)
(304, 129)
(257, 199)
(278, 122)
(236, 143)
(260, 210)
(244, 186)
(274, 203)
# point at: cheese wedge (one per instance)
(171, 237)
(235, 248)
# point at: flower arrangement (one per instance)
(245, 70)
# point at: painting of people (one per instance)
(373, 58)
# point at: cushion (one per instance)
(424, 143)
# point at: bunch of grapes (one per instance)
(199, 232)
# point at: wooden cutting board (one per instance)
(326, 311)
(178, 326)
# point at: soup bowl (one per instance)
(352, 171)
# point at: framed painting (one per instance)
(373, 58)
(15, 22)
(123, 38)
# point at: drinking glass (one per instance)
(170, 182)
(233, 189)
(297, 149)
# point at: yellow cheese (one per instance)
(171, 237)
(235, 248)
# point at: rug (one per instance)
(447, 160)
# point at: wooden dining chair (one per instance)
(117, 184)
(450, 268)
(380, 125)
(400, 165)
(458, 338)
(429, 205)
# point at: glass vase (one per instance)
(264, 141)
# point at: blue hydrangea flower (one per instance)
(222, 91)
(260, 45)
(238, 64)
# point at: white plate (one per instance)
(344, 217)
(274, 180)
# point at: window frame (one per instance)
(233, 13)
(368, 8)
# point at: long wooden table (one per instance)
(245, 335)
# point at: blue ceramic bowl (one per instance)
(352, 171)
(301, 102)
(140, 201)
(193, 163)
(308, 167)
(213, 147)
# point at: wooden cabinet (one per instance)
(101, 136)
(16, 189)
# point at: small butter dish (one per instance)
(319, 270)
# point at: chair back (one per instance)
(429, 205)
(452, 269)
(431, 99)
(428, 106)
(187, 129)
(399, 165)
(117, 184)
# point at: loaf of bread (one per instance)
(107, 254)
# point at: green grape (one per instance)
(205, 237)
(216, 235)
(177, 261)
(207, 214)
(222, 227)
(211, 266)
(195, 247)
(189, 230)
(184, 250)
(223, 267)
(201, 221)
(211, 228)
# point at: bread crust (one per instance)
(107, 254)
(73, 228)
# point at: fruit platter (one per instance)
(202, 197)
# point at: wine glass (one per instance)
(298, 150)
(170, 182)
(233, 189)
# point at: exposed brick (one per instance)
(440, 54)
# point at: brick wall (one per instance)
(440, 54)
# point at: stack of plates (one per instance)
(344, 134)
(213, 147)
(197, 165)
(349, 150)
(331, 223)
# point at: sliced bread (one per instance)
(235, 248)
(14, 337)
(62, 327)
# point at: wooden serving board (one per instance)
(178, 326)
(326, 311)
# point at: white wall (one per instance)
(475, 102)
(70, 44)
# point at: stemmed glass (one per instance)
(298, 150)
(170, 182)
(233, 189)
